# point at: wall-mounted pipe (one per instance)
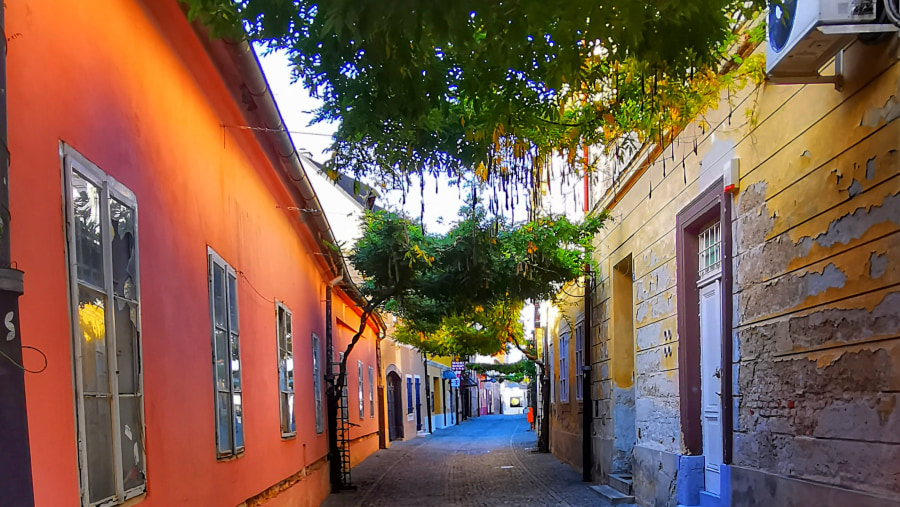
(16, 486)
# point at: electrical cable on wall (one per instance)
(39, 351)
(258, 293)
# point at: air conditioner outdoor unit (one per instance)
(805, 34)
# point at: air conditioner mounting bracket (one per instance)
(837, 79)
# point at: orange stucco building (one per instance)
(170, 262)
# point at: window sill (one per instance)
(288, 436)
(229, 457)
(135, 500)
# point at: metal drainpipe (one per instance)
(334, 461)
(458, 407)
(427, 390)
(382, 426)
(587, 458)
(16, 487)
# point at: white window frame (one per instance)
(579, 360)
(284, 328)
(361, 386)
(232, 335)
(317, 382)
(564, 366)
(371, 392)
(72, 161)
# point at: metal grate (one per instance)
(710, 249)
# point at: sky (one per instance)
(296, 106)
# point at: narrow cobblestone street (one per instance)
(485, 461)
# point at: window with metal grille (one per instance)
(102, 238)
(710, 247)
(579, 360)
(284, 327)
(226, 357)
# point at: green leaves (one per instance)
(399, 76)
(514, 372)
(461, 293)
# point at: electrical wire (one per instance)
(254, 288)
(39, 351)
(265, 129)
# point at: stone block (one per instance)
(655, 475)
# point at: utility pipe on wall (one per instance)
(427, 391)
(587, 454)
(382, 427)
(331, 397)
(16, 486)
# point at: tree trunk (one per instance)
(334, 387)
(544, 430)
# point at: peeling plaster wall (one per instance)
(817, 286)
(816, 359)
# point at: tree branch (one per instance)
(363, 322)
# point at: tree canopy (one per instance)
(514, 372)
(495, 87)
(461, 293)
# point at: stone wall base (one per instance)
(751, 488)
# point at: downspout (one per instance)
(477, 395)
(331, 397)
(382, 428)
(544, 435)
(587, 406)
(587, 455)
(16, 487)
(458, 407)
(427, 390)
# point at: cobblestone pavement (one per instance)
(485, 461)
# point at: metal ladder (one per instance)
(343, 433)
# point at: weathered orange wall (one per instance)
(364, 436)
(128, 86)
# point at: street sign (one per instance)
(458, 366)
(454, 382)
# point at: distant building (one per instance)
(513, 398)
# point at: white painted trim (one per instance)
(280, 306)
(110, 188)
(317, 379)
(213, 260)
